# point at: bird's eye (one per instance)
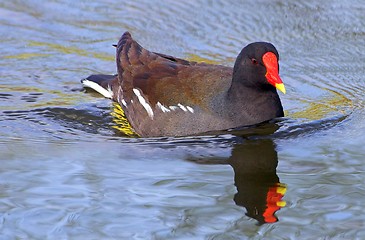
(254, 61)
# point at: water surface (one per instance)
(66, 171)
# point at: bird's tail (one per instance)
(101, 83)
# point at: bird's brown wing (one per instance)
(166, 79)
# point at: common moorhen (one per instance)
(162, 95)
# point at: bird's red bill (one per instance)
(272, 75)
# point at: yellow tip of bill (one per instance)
(281, 87)
(281, 204)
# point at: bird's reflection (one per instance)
(254, 161)
(258, 186)
(259, 190)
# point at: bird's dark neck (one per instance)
(254, 103)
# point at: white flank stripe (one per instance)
(182, 107)
(190, 109)
(163, 108)
(124, 102)
(143, 102)
(118, 98)
(173, 108)
(110, 91)
(105, 92)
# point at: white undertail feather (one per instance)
(143, 102)
(108, 93)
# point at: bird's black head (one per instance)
(257, 67)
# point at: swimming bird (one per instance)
(162, 95)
